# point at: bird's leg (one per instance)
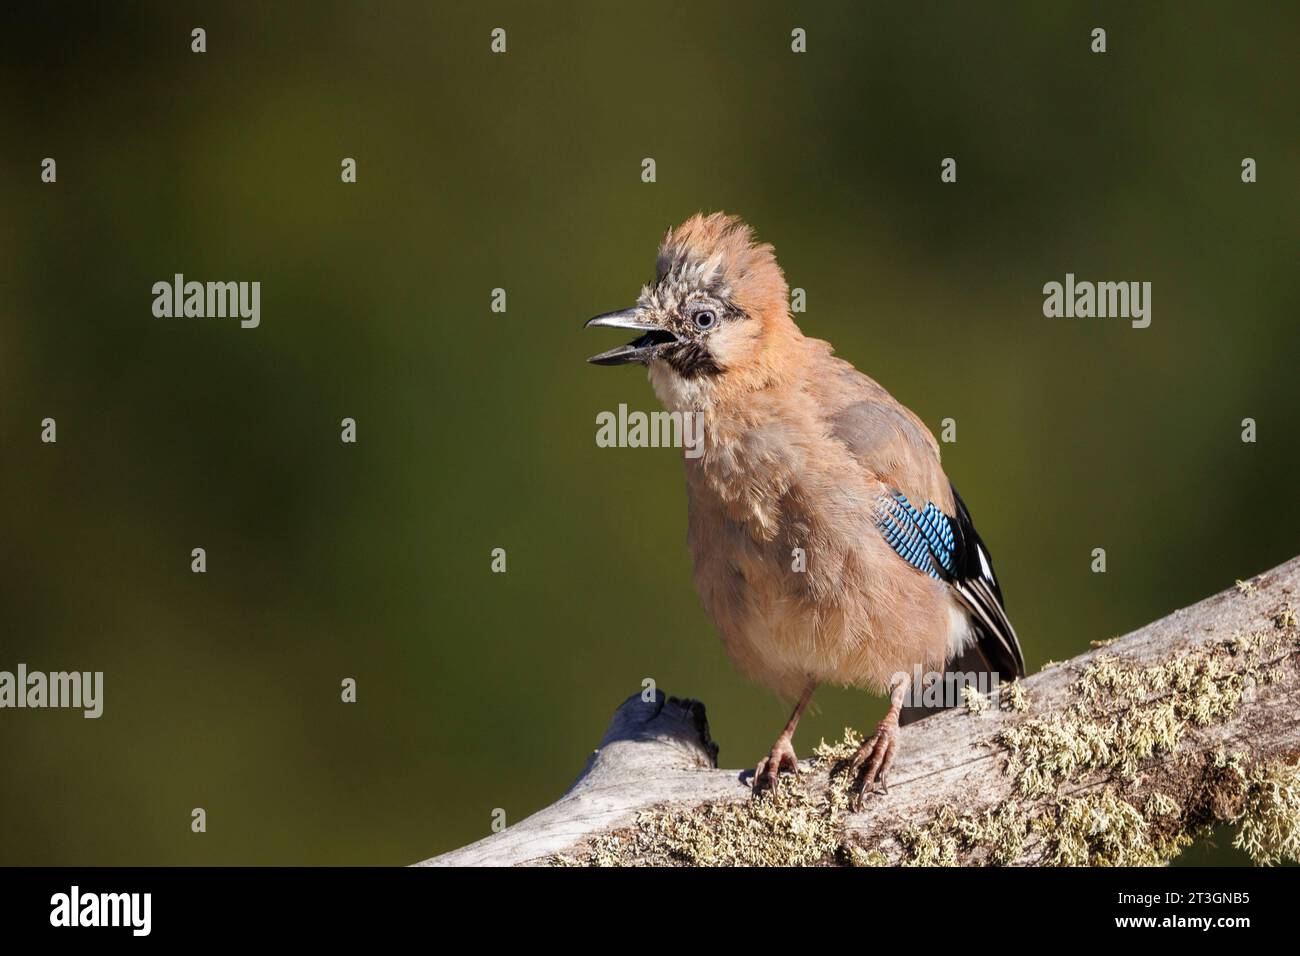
(782, 756)
(875, 755)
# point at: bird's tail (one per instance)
(994, 656)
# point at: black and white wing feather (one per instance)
(948, 548)
(977, 586)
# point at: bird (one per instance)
(829, 546)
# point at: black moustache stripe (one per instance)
(690, 360)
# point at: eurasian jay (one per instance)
(802, 451)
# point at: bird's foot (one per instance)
(872, 761)
(768, 771)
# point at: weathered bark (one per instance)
(656, 759)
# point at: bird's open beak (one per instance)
(639, 350)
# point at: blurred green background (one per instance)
(477, 430)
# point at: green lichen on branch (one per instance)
(1100, 829)
(1109, 828)
(1270, 818)
(795, 826)
(976, 703)
(1087, 783)
(1104, 830)
(1124, 713)
(995, 837)
(1014, 696)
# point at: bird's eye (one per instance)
(705, 320)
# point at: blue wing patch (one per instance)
(924, 539)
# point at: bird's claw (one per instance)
(872, 761)
(768, 772)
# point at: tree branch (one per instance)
(1125, 754)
